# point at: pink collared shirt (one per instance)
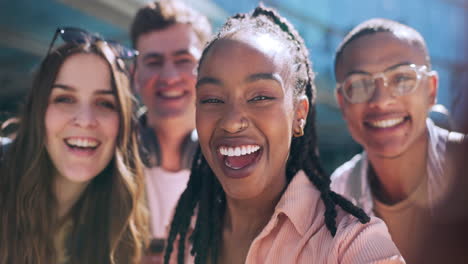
(296, 233)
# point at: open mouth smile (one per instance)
(82, 145)
(240, 157)
(387, 123)
(171, 94)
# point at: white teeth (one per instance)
(239, 150)
(81, 142)
(387, 123)
(172, 93)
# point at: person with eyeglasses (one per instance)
(71, 185)
(385, 88)
(169, 36)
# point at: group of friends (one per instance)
(221, 164)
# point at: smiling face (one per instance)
(386, 125)
(245, 114)
(165, 73)
(82, 119)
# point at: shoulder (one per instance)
(341, 176)
(353, 242)
(356, 242)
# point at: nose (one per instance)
(383, 95)
(234, 120)
(85, 117)
(169, 73)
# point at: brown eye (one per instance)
(211, 101)
(261, 98)
(63, 100)
(107, 105)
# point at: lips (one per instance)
(239, 157)
(386, 121)
(82, 145)
(239, 160)
(172, 94)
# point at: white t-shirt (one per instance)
(163, 191)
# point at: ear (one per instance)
(340, 100)
(301, 111)
(302, 107)
(433, 82)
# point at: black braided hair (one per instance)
(204, 191)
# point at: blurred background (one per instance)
(27, 27)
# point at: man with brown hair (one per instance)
(170, 37)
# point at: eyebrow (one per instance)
(72, 89)
(389, 68)
(207, 80)
(251, 78)
(265, 77)
(161, 55)
(399, 64)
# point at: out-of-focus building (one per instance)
(27, 26)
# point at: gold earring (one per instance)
(299, 131)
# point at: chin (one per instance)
(389, 152)
(81, 176)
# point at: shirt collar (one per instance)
(299, 203)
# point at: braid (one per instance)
(204, 190)
(304, 151)
(203, 232)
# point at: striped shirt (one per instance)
(296, 233)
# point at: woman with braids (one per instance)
(71, 182)
(257, 187)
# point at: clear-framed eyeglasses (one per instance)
(401, 80)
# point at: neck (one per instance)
(245, 219)
(67, 194)
(394, 179)
(170, 133)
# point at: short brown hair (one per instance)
(164, 13)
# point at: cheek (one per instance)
(111, 125)
(276, 123)
(205, 123)
(146, 83)
(190, 76)
(352, 113)
(53, 121)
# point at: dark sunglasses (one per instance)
(81, 36)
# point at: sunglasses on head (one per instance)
(81, 36)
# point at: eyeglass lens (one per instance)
(76, 35)
(360, 87)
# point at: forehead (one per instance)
(243, 55)
(377, 52)
(84, 69)
(173, 38)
